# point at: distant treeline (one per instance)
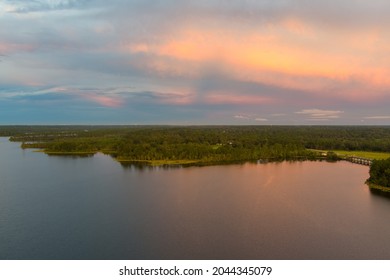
(201, 143)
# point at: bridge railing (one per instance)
(359, 160)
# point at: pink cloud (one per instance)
(228, 98)
(107, 101)
(102, 98)
(176, 99)
(12, 48)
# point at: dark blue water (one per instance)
(55, 207)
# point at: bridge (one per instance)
(359, 160)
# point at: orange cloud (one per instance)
(296, 26)
(313, 60)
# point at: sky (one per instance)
(204, 62)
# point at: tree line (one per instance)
(202, 143)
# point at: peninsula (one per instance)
(210, 145)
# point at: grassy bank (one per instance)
(363, 154)
(158, 162)
(378, 188)
(68, 153)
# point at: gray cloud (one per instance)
(27, 6)
(332, 13)
(75, 43)
(151, 15)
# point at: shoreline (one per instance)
(200, 162)
(378, 189)
(186, 162)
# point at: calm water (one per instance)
(93, 208)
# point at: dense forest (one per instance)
(201, 143)
(380, 173)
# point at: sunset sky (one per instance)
(264, 62)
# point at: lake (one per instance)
(54, 207)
